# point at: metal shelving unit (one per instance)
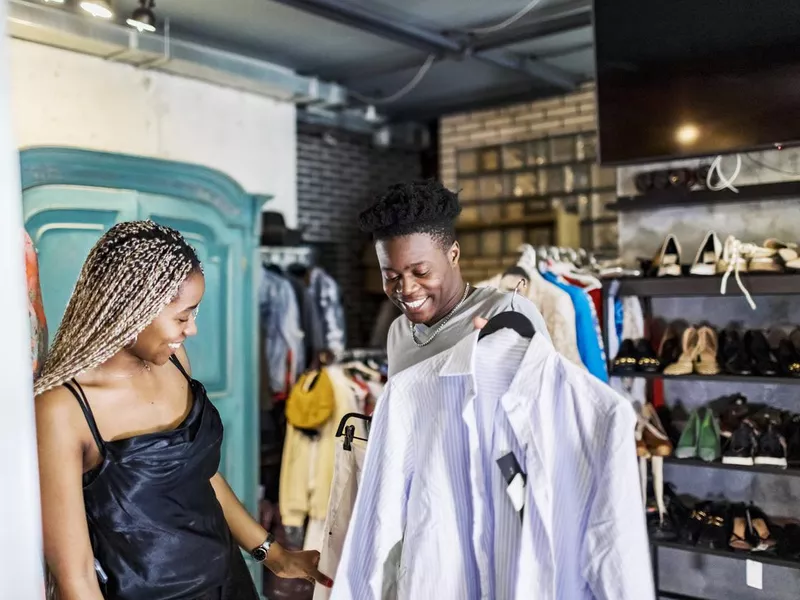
(718, 465)
(720, 377)
(777, 284)
(647, 288)
(685, 197)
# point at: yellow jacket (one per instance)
(307, 464)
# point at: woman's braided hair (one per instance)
(134, 270)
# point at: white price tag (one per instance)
(755, 574)
(516, 491)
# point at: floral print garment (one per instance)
(35, 307)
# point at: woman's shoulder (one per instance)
(59, 409)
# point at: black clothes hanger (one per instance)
(298, 270)
(509, 319)
(348, 431)
(517, 270)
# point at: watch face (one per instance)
(259, 554)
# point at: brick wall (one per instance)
(553, 116)
(338, 173)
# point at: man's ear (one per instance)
(455, 254)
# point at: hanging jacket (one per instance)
(280, 328)
(587, 325)
(328, 300)
(307, 463)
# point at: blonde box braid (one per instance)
(134, 270)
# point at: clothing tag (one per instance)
(514, 478)
(516, 491)
(755, 572)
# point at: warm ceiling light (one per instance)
(143, 18)
(98, 8)
(687, 134)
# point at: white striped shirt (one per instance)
(432, 489)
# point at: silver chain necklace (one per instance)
(444, 321)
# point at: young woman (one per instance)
(129, 444)
(413, 225)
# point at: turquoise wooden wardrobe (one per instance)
(71, 196)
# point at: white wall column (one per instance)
(20, 517)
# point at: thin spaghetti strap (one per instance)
(87, 412)
(177, 363)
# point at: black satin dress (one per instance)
(155, 525)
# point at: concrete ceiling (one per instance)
(543, 53)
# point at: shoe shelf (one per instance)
(684, 197)
(762, 557)
(758, 284)
(719, 465)
(661, 594)
(720, 377)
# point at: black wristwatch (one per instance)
(261, 552)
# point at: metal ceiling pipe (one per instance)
(64, 29)
(428, 41)
(365, 20)
(546, 21)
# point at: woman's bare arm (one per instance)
(249, 533)
(59, 421)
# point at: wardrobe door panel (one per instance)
(64, 223)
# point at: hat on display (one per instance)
(275, 233)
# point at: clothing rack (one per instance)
(349, 431)
(283, 256)
(362, 354)
(580, 257)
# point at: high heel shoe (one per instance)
(708, 255)
(669, 351)
(707, 349)
(667, 261)
(760, 353)
(685, 363)
(653, 433)
(732, 356)
(788, 357)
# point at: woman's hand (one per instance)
(479, 322)
(296, 565)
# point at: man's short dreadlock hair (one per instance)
(414, 207)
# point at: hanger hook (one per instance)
(522, 283)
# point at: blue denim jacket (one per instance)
(325, 292)
(280, 326)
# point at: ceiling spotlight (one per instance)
(98, 8)
(143, 18)
(687, 134)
